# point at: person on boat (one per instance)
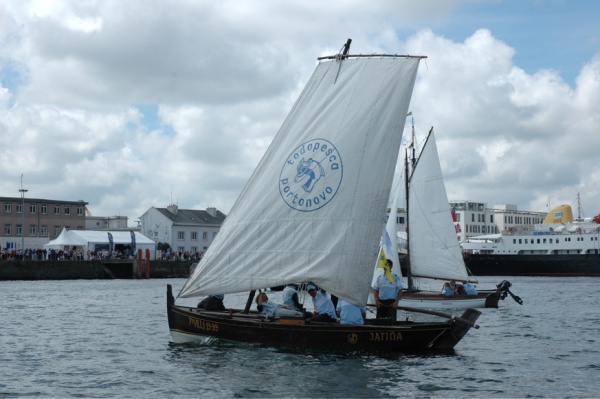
(447, 289)
(456, 288)
(324, 308)
(267, 307)
(387, 292)
(469, 288)
(349, 313)
(290, 298)
(212, 302)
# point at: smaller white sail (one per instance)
(433, 246)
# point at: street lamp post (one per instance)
(22, 191)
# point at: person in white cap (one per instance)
(324, 309)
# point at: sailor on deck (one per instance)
(387, 292)
(324, 308)
(267, 307)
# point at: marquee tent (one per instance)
(94, 240)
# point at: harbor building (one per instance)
(185, 230)
(33, 222)
(474, 219)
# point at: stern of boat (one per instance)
(170, 303)
(491, 300)
(460, 327)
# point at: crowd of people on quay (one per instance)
(77, 254)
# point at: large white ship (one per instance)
(561, 246)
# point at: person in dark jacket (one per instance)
(213, 302)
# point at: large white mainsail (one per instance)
(314, 208)
(433, 247)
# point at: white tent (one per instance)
(65, 239)
(93, 240)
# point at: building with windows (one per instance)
(108, 223)
(185, 230)
(32, 222)
(476, 219)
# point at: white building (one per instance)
(476, 219)
(185, 230)
(106, 223)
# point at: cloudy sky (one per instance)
(137, 103)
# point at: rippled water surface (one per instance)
(111, 339)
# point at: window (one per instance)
(43, 231)
(472, 217)
(19, 230)
(7, 230)
(19, 208)
(491, 218)
(32, 230)
(204, 236)
(79, 211)
(7, 208)
(33, 209)
(56, 231)
(180, 249)
(194, 249)
(44, 209)
(194, 235)
(181, 235)
(67, 210)
(57, 209)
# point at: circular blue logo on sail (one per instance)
(311, 175)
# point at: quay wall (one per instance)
(90, 269)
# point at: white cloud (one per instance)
(223, 75)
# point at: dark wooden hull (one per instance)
(533, 265)
(191, 324)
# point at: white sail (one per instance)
(314, 208)
(433, 247)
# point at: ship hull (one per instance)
(534, 265)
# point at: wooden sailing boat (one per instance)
(312, 211)
(433, 251)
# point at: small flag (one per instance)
(382, 263)
(457, 228)
(453, 212)
(132, 240)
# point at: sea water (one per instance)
(100, 339)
